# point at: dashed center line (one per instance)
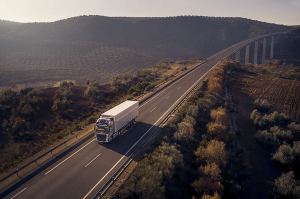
(93, 160)
(68, 157)
(153, 109)
(19, 193)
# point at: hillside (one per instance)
(96, 47)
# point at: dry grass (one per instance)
(216, 79)
(216, 129)
(219, 115)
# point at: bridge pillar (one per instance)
(255, 52)
(263, 59)
(247, 54)
(272, 48)
(237, 56)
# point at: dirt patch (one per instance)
(258, 168)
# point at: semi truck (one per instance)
(116, 121)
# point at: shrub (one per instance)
(148, 179)
(279, 119)
(215, 80)
(93, 91)
(267, 138)
(266, 120)
(63, 103)
(216, 129)
(193, 111)
(281, 134)
(262, 105)
(213, 151)
(295, 128)
(258, 119)
(186, 129)
(274, 136)
(288, 155)
(219, 115)
(284, 154)
(211, 170)
(208, 185)
(286, 186)
(215, 196)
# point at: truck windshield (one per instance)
(103, 122)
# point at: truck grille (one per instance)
(101, 137)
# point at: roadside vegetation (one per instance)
(32, 119)
(195, 162)
(281, 137)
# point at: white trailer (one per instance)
(116, 121)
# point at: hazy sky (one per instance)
(277, 11)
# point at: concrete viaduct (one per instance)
(257, 52)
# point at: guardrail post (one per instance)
(17, 172)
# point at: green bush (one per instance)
(63, 103)
(279, 119)
(93, 91)
(258, 119)
(295, 128)
(185, 129)
(288, 155)
(286, 186)
(274, 136)
(148, 180)
(262, 120)
(284, 154)
(262, 105)
(267, 138)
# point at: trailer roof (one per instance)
(119, 108)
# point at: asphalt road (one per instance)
(81, 173)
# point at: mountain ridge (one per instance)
(99, 47)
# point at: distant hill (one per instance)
(98, 47)
(288, 47)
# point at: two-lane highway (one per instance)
(84, 171)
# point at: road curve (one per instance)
(81, 173)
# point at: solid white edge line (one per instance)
(172, 106)
(68, 157)
(164, 90)
(93, 160)
(19, 193)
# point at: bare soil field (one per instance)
(279, 84)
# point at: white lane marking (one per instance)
(172, 106)
(167, 97)
(93, 160)
(68, 157)
(155, 96)
(178, 87)
(164, 90)
(153, 109)
(19, 193)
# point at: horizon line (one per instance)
(147, 17)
